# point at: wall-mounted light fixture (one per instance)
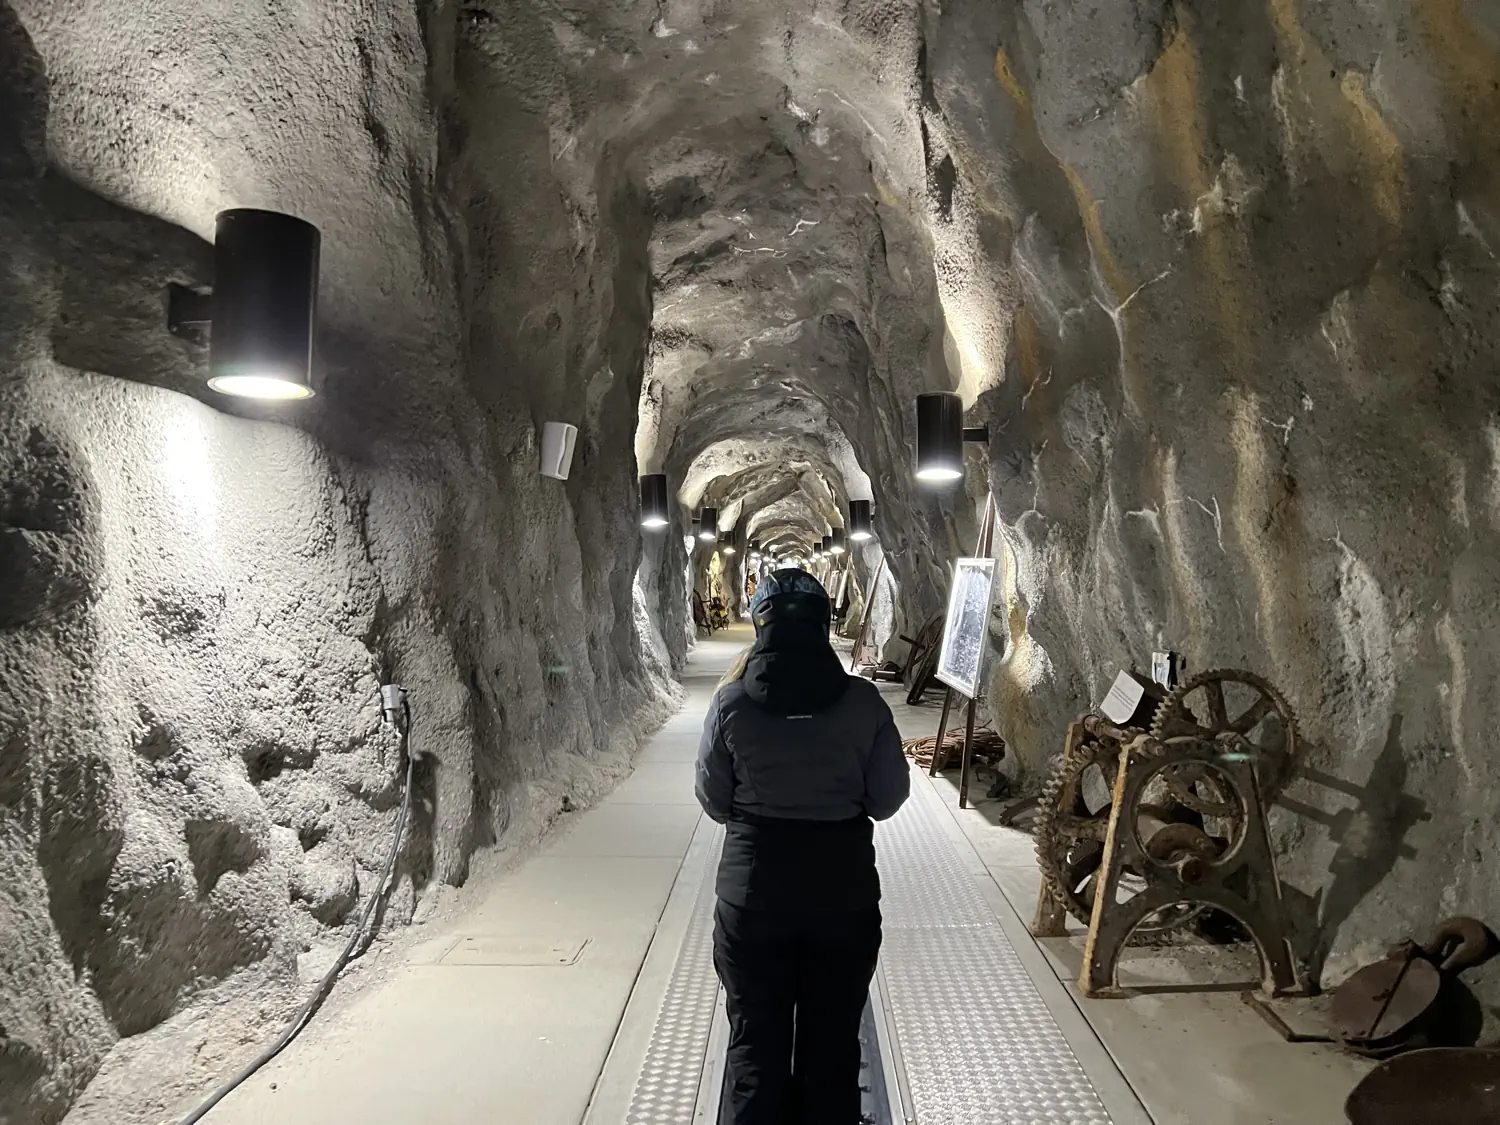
(836, 541)
(654, 501)
(828, 544)
(263, 308)
(941, 435)
(558, 440)
(727, 546)
(708, 525)
(861, 526)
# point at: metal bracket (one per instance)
(977, 434)
(189, 312)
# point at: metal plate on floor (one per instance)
(667, 1092)
(978, 1043)
(503, 950)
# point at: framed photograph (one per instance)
(966, 632)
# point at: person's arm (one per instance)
(715, 775)
(887, 776)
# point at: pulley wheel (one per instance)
(1385, 999)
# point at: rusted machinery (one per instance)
(1141, 832)
(1451, 1086)
(1413, 998)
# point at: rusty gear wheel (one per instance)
(1259, 720)
(1070, 838)
(1070, 841)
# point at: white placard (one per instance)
(1124, 697)
(966, 632)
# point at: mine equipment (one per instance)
(1412, 998)
(922, 659)
(1174, 813)
(1228, 866)
(1230, 701)
(1454, 1086)
(1188, 808)
(988, 748)
(1073, 820)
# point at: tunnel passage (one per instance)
(1221, 279)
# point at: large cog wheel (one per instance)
(1070, 838)
(1070, 842)
(1257, 722)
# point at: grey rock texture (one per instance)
(1223, 280)
(200, 600)
(1249, 402)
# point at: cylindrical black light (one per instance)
(837, 542)
(265, 302)
(940, 437)
(861, 526)
(655, 511)
(827, 544)
(708, 521)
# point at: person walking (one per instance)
(798, 759)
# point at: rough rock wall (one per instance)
(198, 599)
(1221, 277)
(1249, 408)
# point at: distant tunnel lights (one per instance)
(708, 529)
(654, 501)
(860, 525)
(264, 305)
(941, 436)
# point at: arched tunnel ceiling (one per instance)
(769, 199)
(745, 477)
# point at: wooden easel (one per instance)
(864, 619)
(939, 750)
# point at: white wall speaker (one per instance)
(558, 439)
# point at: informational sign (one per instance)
(1131, 700)
(1123, 700)
(966, 632)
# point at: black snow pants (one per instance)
(796, 983)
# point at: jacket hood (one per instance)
(792, 668)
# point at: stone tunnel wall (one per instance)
(1222, 278)
(1250, 408)
(198, 600)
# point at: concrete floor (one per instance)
(508, 1012)
(466, 1030)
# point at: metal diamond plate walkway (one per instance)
(976, 1040)
(979, 1044)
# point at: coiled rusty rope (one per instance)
(988, 747)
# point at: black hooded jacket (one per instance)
(797, 759)
(792, 668)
